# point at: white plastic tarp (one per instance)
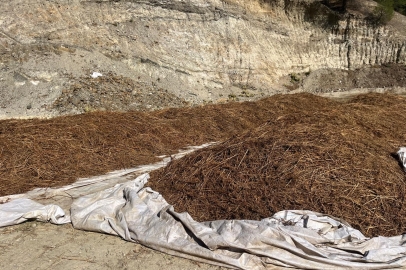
(21, 210)
(298, 239)
(402, 156)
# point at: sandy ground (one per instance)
(36, 245)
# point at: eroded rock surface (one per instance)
(198, 50)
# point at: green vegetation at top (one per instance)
(383, 13)
(380, 15)
(394, 5)
(397, 5)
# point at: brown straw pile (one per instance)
(55, 152)
(313, 154)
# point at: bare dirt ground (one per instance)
(329, 80)
(36, 245)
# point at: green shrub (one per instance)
(233, 97)
(294, 78)
(383, 13)
(397, 5)
(246, 93)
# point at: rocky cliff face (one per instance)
(195, 49)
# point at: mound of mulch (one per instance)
(313, 154)
(55, 152)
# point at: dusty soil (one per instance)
(320, 81)
(72, 90)
(36, 245)
(331, 80)
(113, 93)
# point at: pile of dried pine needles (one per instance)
(55, 152)
(314, 154)
(283, 152)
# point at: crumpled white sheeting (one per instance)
(300, 239)
(402, 156)
(21, 210)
